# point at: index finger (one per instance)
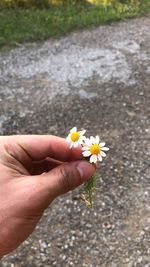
(39, 147)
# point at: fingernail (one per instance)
(85, 169)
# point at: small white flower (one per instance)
(75, 137)
(94, 149)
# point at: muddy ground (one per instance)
(98, 79)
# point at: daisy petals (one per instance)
(88, 142)
(83, 138)
(100, 157)
(105, 148)
(85, 148)
(68, 138)
(97, 139)
(74, 129)
(102, 144)
(92, 139)
(103, 154)
(86, 153)
(82, 132)
(76, 144)
(93, 159)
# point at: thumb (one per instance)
(67, 177)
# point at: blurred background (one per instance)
(29, 20)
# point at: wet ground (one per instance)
(97, 79)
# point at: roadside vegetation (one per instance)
(30, 20)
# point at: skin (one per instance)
(34, 170)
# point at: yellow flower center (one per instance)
(75, 136)
(95, 149)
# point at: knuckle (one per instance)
(65, 177)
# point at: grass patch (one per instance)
(20, 25)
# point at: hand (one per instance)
(34, 170)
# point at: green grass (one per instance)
(20, 25)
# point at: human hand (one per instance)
(34, 170)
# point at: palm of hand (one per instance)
(33, 171)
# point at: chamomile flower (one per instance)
(94, 149)
(75, 137)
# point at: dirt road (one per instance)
(97, 79)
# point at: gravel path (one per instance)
(97, 79)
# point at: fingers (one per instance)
(26, 149)
(39, 167)
(66, 177)
(39, 147)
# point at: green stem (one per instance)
(89, 189)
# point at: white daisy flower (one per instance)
(94, 149)
(75, 137)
